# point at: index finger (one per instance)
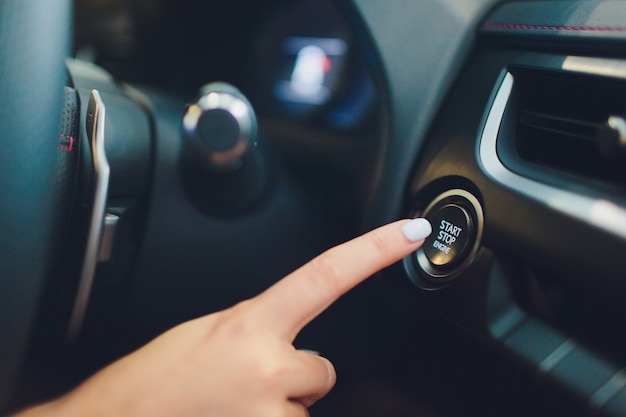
(290, 304)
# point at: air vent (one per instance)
(565, 127)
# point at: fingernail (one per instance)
(416, 229)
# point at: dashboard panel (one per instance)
(297, 60)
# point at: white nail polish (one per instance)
(417, 229)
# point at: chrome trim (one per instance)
(615, 68)
(599, 213)
(101, 170)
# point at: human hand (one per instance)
(240, 362)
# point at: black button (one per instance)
(452, 231)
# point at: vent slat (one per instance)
(577, 129)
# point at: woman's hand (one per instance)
(240, 362)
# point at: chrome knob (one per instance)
(221, 127)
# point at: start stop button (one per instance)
(457, 220)
(453, 229)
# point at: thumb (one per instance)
(316, 378)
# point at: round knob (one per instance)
(220, 128)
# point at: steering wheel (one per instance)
(35, 184)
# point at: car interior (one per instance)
(165, 159)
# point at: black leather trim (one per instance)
(35, 40)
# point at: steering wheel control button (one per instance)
(457, 219)
(453, 229)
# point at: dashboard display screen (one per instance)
(309, 70)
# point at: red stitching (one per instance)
(493, 25)
(69, 146)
